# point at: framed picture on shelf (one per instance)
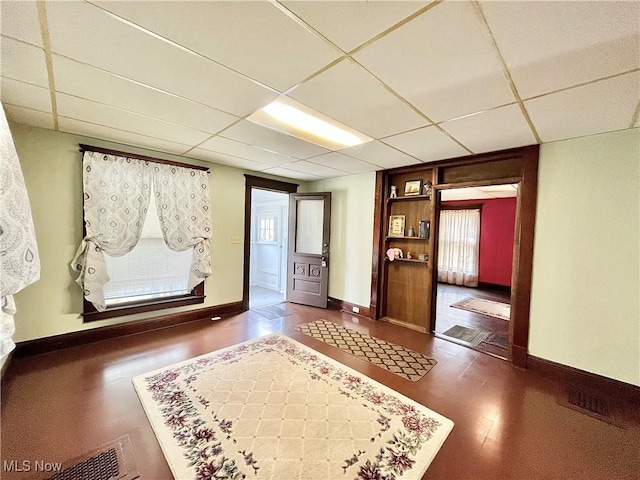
(412, 187)
(396, 226)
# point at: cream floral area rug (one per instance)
(274, 408)
(485, 307)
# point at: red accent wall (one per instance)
(497, 227)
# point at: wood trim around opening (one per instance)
(252, 182)
(525, 226)
(118, 153)
(196, 296)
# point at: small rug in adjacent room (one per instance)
(484, 307)
(274, 408)
(499, 340)
(469, 335)
(113, 461)
(394, 358)
(272, 312)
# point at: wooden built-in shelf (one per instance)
(411, 260)
(407, 238)
(410, 197)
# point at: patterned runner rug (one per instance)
(484, 307)
(274, 408)
(399, 360)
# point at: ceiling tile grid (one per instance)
(561, 44)
(428, 144)
(254, 38)
(25, 95)
(379, 154)
(442, 62)
(344, 163)
(477, 132)
(181, 77)
(347, 93)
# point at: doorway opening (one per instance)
(476, 237)
(268, 256)
(265, 231)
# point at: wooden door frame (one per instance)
(251, 182)
(527, 158)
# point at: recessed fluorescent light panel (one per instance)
(288, 116)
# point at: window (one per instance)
(150, 271)
(267, 229)
(152, 259)
(458, 247)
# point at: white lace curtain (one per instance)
(183, 204)
(19, 260)
(116, 200)
(458, 247)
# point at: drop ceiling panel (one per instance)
(348, 93)
(20, 20)
(598, 107)
(85, 110)
(365, 19)
(237, 149)
(23, 62)
(380, 154)
(307, 167)
(27, 116)
(227, 160)
(442, 62)
(26, 95)
(344, 163)
(285, 172)
(497, 129)
(427, 144)
(256, 135)
(254, 38)
(86, 33)
(561, 44)
(84, 81)
(79, 127)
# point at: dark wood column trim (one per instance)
(252, 181)
(377, 246)
(523, 256)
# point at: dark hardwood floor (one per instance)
(448, 316)
(507, 422)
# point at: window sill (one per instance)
(90, 314)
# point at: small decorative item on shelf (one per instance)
(411, 233)
(394, 253)
(409, 256)
(423, 229)
(412, 188)
(428, 188)
(396, 226)
(394, 192)
(424, 257)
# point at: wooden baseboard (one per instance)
(348, 308)
(72, 339)
(5, 365)
(591, 381)
(495, 287)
